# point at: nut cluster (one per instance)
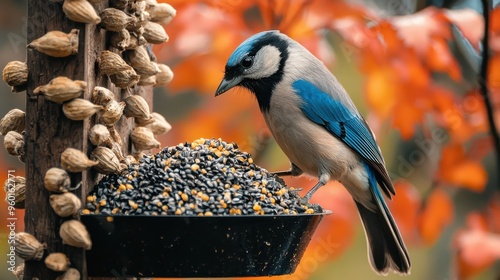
(132, 25)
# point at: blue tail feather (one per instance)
(386, 248)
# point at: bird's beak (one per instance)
(226, 85)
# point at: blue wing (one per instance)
(344, 124)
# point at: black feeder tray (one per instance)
(193, 246)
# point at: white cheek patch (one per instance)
(266, 63)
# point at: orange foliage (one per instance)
(399, 56)
(440, 59)
(405, 209)
(477, 237)
(493, 73)
(436, 215)
(456, 168)
(413, 82)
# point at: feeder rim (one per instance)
(324, 213)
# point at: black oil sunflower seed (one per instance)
(205, 177)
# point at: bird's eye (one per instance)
(247, 62)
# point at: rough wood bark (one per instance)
(49, 132)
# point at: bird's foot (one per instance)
(316, 207)
(304, 200)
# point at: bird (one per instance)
(316, 124)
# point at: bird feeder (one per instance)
(85, 61)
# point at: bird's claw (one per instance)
(304, 200)
(316, 207)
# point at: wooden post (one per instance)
(49, 132)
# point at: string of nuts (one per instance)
(117, 150)
(74, 233)
(112, 112)
(19, 271)
(144, 139)
(102, 95)
(15, 186)
(115, 135)
(14, 120)
(80, 11)
(147, 80)
(160, 125)
(136, 106)
(14, 143)
(125, 79)
(111, 63)
(139, 59)
(108, 162)
(154, 33)
(99, 135)
(57, 262)
(57, 180)
(79, 109)
(120, 39)
(130, 27)
(15, 74)
(70, 274)
(164, 76)
(75, 160)
(56, 43)
(115, 20)
(28, 247)
(65, 204)
(161, 13)
(61, 89)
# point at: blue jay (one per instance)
(316, 124)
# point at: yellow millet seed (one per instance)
(121, 188)
(195, 167)
(184, 197)
(257, 207)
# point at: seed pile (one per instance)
(204, 178)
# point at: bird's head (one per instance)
(257, 64)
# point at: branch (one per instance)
(484, 81)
